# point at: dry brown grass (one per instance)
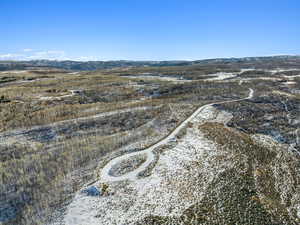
(47, 173)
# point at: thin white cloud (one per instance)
(30, 54)
(27, 50)
(86, 58)
(56, 52)
(10, 56)
(51, 55)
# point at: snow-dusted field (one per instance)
(132, 175)
(14, 71)
(163, 78)
(221, 76)
(168, 191)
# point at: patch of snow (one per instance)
(15, 71)
(162, 78)
(291, 77)
(289, 83)
(279, 70)
(282, 93)
(221, 76)
(168, 191)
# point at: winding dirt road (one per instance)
(105, 173)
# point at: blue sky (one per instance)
(147, 29)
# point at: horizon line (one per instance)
(149, 60)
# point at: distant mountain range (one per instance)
(98, 65)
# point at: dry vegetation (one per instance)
(41, 167)
(274, 111)
(251, 191)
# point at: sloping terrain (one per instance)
(218, 155)
(213, 175)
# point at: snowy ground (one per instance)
(105, 175)
(72, 93)
(221, 76)
(170, 189)
(15, 71)
(216, 77)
